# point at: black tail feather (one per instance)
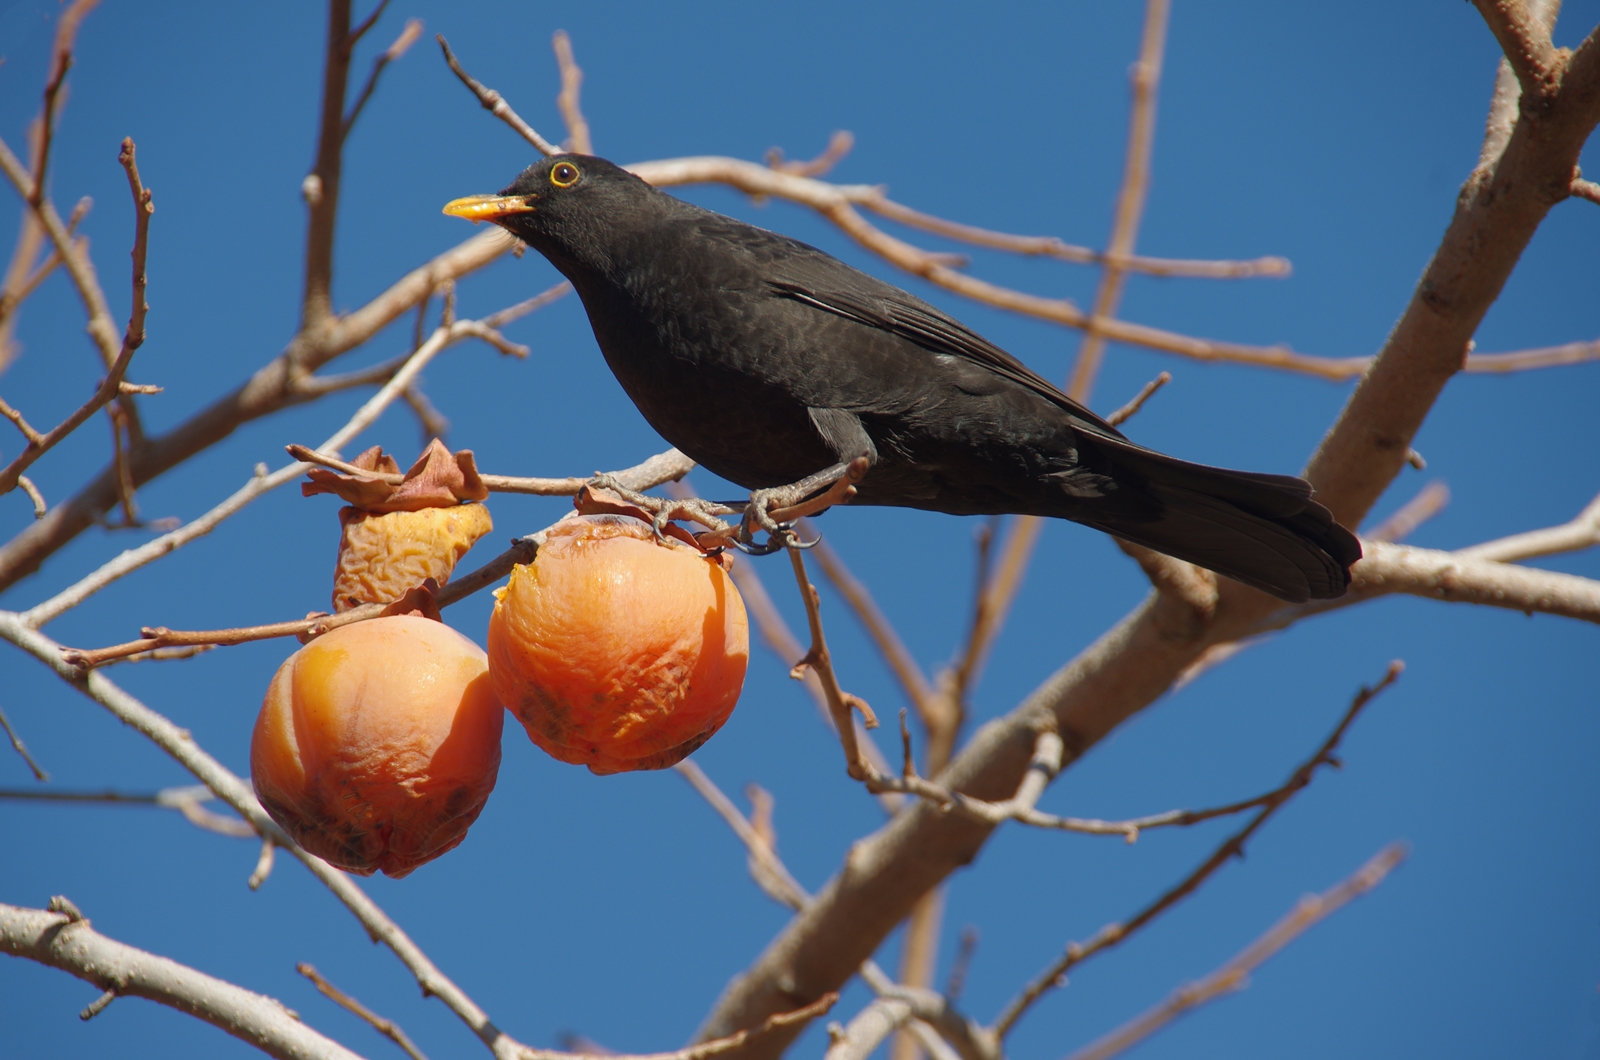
(1262, 530)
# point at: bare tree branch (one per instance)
(402, 44)
(110, 387)
(22, 749)
(495, 103)
(66, 941)
(1135, 662)
(839, 145)
(1583, 531)
(321, 187)
(1050, 246)
(1235, 975)
(578, 138)
(1526, 43)
(1459, 578)
(260, 483)
(1114, 934)
(386, 1027)
(238, 794)
(1146, 77)
(1428, 502)
(274, 387)
(188, 800)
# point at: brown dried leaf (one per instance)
(439, 479)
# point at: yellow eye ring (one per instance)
(564, 174)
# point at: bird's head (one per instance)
(560, 204)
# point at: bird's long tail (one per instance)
(1262, 530)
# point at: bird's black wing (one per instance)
(828, 284)
(1264, 530)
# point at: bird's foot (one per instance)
(663, 510)
(775, 510)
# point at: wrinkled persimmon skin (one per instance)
(378, 743)
(616, 651)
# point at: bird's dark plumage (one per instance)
(766, 360)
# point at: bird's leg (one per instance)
(773, 509)
(663, 510)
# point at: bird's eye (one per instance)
(564, 174)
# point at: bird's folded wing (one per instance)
(830, 285)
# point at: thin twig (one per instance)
(263, 868)
(1232, 847)
(578, 138)
(60, 63)
(22, 749)
(650, 473)
(260, 483)
(187, 800)
(1146, 77)
(841, 704)
(386, 1027)
(27, 486)
(1403, 522)
(110, 387)
(1235, 974)
(1582, 531)
(408, 36)
(956, 984)
(433, 423)
(935, 1015)
(1050, 246)
(879, 628)
(769, 872)
(663, 467)
(839, 145)
(495, 103)
(1127, 412)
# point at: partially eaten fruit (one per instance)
(618, 651)
(378, 743)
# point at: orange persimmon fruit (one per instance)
(378, 743)
(618, 651)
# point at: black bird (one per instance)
(767, 360)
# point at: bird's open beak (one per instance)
(477, 208)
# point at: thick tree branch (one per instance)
(65, 940)
(1526, 43)
(321, 185)
(1497, 212)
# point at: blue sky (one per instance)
(1334, 135)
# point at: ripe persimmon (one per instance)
(378, 743)
(618, 651)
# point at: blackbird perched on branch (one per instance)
(766, 361)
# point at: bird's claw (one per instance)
(662, 510)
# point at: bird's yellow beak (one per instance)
(477, 208)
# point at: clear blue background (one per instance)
(1336, 135)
